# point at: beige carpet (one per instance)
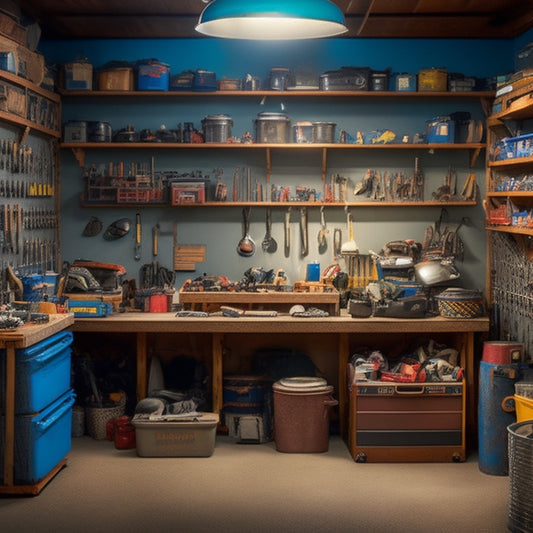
(254, 488)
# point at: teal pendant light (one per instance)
(271, 19)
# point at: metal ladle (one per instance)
(246, 246)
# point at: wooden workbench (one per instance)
(343, 329)
(10, 341)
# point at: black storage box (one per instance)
(345, 79)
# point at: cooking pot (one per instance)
(435, 271)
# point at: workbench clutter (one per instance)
(259, 293)
(92, 288)
(414, 279)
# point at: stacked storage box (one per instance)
(43, 407)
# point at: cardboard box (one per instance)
(166, 436)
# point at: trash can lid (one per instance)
(301, 384)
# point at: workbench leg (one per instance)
(344, 357)
(9, 450)
(142, 362)
(217, 372)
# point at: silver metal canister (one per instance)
(272, 128)
(217, 128)
(323, 132)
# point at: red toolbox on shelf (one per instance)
(407, 422)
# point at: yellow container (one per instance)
(433, 79)
(523, 407)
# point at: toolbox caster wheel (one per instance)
(456, 458)
(360, 458)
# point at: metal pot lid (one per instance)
(319, 123)
(270, 115)
(221, 118)
(302, 384)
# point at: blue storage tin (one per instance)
(153, 75)
(43, 440)
(440, 130)
(42, 373)
(405, 82)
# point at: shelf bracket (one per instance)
(324, 164)
(268, 165)
(79, 154)
(24, 135)
(474, 154)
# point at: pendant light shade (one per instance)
(271, 19)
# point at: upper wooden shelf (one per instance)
(313, 93)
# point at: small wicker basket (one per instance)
(460, 303)
(96, 418)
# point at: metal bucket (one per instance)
(217, 128)
(496, 383)
(520, 442)
(323, 132)
(301, 414)
(272, 128)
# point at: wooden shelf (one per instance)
(289, 93)
(79, 149)
(26, 124)
(285, 205)
(515, 162)
(510, 229)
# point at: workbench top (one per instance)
(283, 323)
(30, 333)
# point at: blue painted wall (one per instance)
(220, 228)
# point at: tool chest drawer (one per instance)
(407, 422)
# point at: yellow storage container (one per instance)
(523, 407)
(433, 79)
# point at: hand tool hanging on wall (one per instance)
(303, 232)
(246, 246)
(269, 244)
(155, 240)
(322, 234)
(138, 236)
(287, 233)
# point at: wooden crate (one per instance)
(280, 301)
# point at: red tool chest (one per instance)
(407, 422)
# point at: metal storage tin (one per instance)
(323, 132)
(217, 128)
(405, 82)
(272, 128)
(279, 78)
(433, 79)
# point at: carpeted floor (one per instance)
(254, 488)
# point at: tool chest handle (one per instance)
(401, 389)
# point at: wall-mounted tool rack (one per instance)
(29, 187)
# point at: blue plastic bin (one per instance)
(42, 440)
(42, 373)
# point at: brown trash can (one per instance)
(301, 414)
